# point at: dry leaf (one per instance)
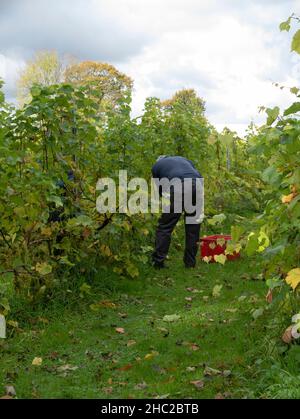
(130, 343)
(269, 297)
(10, 391)
(194, 347)
(37, 362)
(199, 384)
(217, 290)
(120, 330)
(286, 199)
(287, 336)
(171, 318)
(125, 367)
(293, 278)
(141, 386)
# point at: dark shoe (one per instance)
(159, 265)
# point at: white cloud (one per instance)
(230, 51)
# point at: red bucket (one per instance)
(211, 246)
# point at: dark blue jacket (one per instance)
(175, 167)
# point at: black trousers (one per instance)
(166, 225)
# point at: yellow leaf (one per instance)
(293, 278)
(37, 362)
(220, 259)
(207, 259)
(46, 231)
(221, 242)
(286, 199)
(151, 355)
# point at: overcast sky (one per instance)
(230, 51)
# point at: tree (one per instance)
(187, 99)
(104, 79)
(45, 69)
(186, 122)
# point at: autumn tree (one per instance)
(108, 83)
(186, 122)
(45, 69)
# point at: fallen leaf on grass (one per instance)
(125, 367)
(217, 290)
(158, 369)
(67, 368)
(171, 318)
(53, 356)
(108, 390)
(194, 347)
(209, 372)
(141, 386)
(190, 369)
(199, 384)
(226, 373)
(165, 332)
(257, 313)
(2, 327)
(287, 337)
(130, 343)
(269, 297)
(10, 391)
(188, 299)
(37, 362)
(231, 310)
(123, 315)
(193, 290)
(120, 330)
(151, 355)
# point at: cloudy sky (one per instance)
(230, 51)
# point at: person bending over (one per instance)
(185, 196)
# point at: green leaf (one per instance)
(294, 90)
(217, 219)
(56, 199)
(296, 42)
(5, 304)
(295, 107)
(236, 232)
(43, 268)
(272, 114)
(35, 91)
(285, 26)
(271, 176)
(220, 259)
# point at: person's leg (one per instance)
(192, 229)
(166, 225)
(192, 237)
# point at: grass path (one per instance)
(84, 356)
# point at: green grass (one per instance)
(216, 332)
